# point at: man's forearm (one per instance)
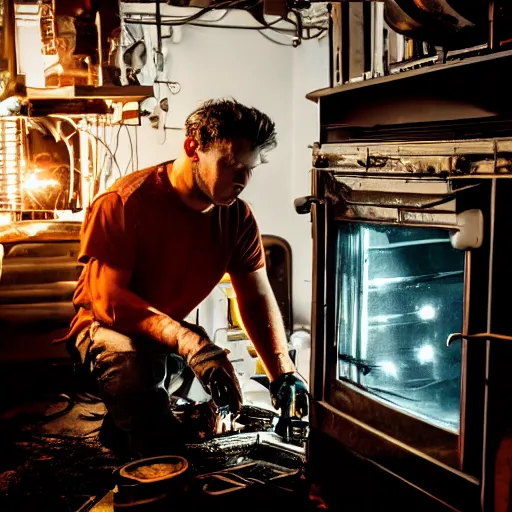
(172, 334)
(262, 319)
(136, 317)
(122, 310)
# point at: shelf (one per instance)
(83, 99)
(125, 94)
(456, 96)
(499, 58)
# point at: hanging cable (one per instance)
(131, 150)
(274, 41)
(197, 15)
(297, 31)
(257, 27)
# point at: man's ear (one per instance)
(190, 146)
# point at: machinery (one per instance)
(410, 216)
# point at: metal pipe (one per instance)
(493, 33)
(331, 46)
(158, 17)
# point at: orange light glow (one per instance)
(32, 182)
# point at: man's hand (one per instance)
(215, 372)
(290, 391)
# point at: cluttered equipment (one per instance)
(256, 458)
(256, 469)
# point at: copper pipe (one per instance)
(8, 52)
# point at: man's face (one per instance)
(223, 170)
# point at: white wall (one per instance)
(212, 62)
(310, 72)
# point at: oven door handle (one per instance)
(481, 335)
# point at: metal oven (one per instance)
(412, 273)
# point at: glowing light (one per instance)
(389, 368)
(427, 312)
(426, 354)
(32, 182)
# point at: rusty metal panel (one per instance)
(479, 157)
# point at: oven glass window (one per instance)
(399, 295)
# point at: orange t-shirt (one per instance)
(176, 255)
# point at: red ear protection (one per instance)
(190, 146)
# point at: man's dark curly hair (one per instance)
(218, 120)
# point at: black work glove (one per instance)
(217, 375)
(289, 389)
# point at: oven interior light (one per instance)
(427, 312)
(389, 368)
(426, 354)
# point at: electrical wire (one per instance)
(106, 147)
(221, 17)
(105, 172)
(117, 138)
(171, 16)
(99, 169)
(131, 150)
(299, 22)
(206, 23)
(165, 131)
(261, 26)
(114, 153)
(260, 29)
(274, 41)
(197, 15)
(298, 27)
(315, 36)
(71, 153)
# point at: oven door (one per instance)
(392, 390)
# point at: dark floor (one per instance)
(51, 458)
(52, 464)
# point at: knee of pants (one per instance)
(129, 374)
